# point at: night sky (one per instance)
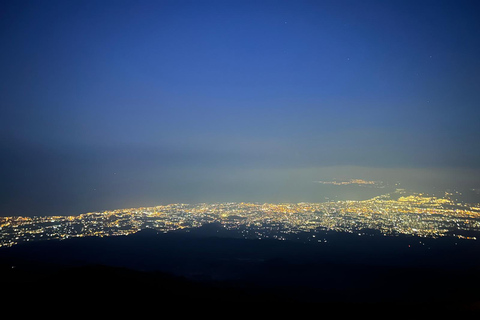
(111, 104)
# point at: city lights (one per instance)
(388, 215)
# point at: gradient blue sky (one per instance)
(105, 104)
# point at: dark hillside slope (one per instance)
(194, 268)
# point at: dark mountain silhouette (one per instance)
(197, 268)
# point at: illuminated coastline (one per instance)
(390, 214)
(356, 182)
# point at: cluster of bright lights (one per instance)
(414, 214)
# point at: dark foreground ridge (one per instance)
(347, 272)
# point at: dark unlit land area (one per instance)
(347, 272)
